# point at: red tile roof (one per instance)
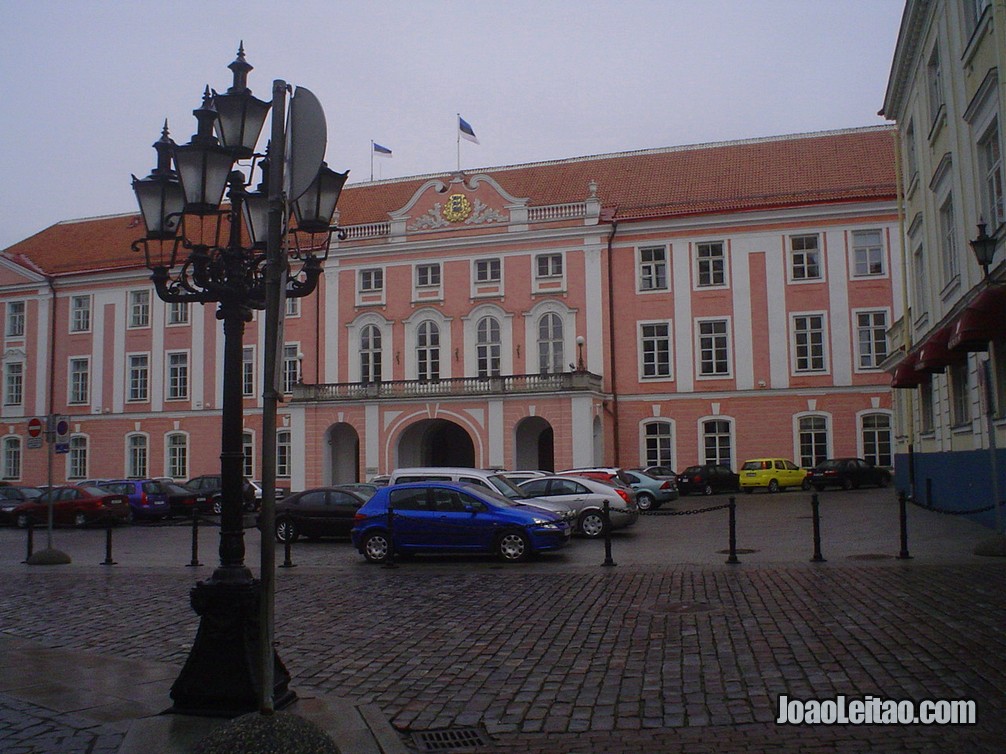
(798, 170)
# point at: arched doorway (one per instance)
(435, 442)
(534, 444)
(344, 454)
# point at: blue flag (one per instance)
(381, 151)
(466, 131)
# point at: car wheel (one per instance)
(592, 524)
(513, 547)
(376, 547)
(645, 501)
(286, 531)
(773, 486)
(218, 506)
(79, 519)
(708, 489)
(846, 484)
(805, 485)
(23, 520)
(819, 487)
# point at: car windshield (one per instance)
(496, 497)
(91, 489)
(692, 470)
(828, 465)
(505, 487)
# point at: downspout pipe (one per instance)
(612, 361)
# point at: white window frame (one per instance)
(796, 319)
(487, 271)
(248, 372)
(370, 280)
(870, 355)
(429, 275)
(78, 380)
(934, 85)
(292, 308)
(720, 340)
(176, 455)
(798, 434)
(949, 247)
(291, 366)
(16, 315)
(80, 314)
(648, 271)
(13, 457)
(13, 389)
(549, 265)
(730, 436)
(284, 454)
(77, 457)
(177, 376)
(959, 379)
(643, 338)
(869, 260)
(990, 165)
(137, 378)
(177, 314)
(802, 272)
(864, 441)
(551, 349)
(137, 455)
(139, 309)
(706, 264)
(652, 446)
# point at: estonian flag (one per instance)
(381, 151)
(465, 130)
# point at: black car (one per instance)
(318, 512)
(707, 479)
(848, 473)
(210, 486)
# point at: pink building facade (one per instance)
(664, 307)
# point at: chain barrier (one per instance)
(948, 512)
(683, 513)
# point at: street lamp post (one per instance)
(199, 251)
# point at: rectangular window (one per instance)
(926, 406)
(139, 308)
(77, 458)
(712, 264)
(139, 377)
(991, 165)
(248, 372)
(292, 306)
(655, 345)
(948, 241)
(808, 343)
(805, 257)
(813, 440)
(79, 381)
(653, 269)
(487, 271)
(12, 458)
(80, 314)
(284, 456)
(371, 281)
(178, 313)
(136, 461)
(178, 376)
(921, 287)
(911, 156)
(248, 447)
(960, 400)
(717, 444)
(291, 367)
(178, 456)
(868, 253)
(549, 265)
(13, 393)
(15, 319)
(934, 81)
(659, 444)
(871, 329)
(428, 276)
(714, 348)
(877, 439)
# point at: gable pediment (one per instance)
(462, 204)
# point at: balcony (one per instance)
(457, 387)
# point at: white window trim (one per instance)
(188, 453)
(129, 309)
(644, 423)
(126, 449)
(129, 377)
(822, 266)
(638, 254)
(438, 289)
(696, 284)
(90, 314)
(698, 348)
(884, 257)
(167, 375)
(487, 288)
(411, 337)
(354, 330)
(371, 296)
(69, 381)
(829, 427)
(470, 323)
(854, 325)
(639, 350)
(825, 343)
(860, 447)
(547, 283)
(539, 310)
(700, 433)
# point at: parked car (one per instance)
(604, 473)
(774, 474)
(75, 505)
(707, 478)
(11, 496)
(450, 517)
(182, 501)
(586, 496)
(848, 473)
(522, 475)
(651, 492)
(364, 488)
(659, 472)
(210, 486)
(148, 498)
(318, 512)
(381, 480)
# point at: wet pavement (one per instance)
(672, 649)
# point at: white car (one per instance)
(586, 497)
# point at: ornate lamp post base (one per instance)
(222, 675)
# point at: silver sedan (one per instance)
(586, 497)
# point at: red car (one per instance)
(74, 505)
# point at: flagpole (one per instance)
(459, 142)
(371, 160)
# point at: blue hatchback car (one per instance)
(148, 499)
(450, 517)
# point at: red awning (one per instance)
(981, 321)
(905, 375)
(934, 355)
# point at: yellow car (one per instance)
(774, 474)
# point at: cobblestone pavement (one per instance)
(559, 657)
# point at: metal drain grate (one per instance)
(449, 739)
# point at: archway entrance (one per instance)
(435, 442)
(534, 444)
(344, 454)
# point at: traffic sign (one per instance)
(35, 427)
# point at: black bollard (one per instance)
(287, 559)
(31, 540)
(195, 539)
(818, 558)
(733, 532)
(903, 515)
(390, 562)
(608, 562)
(108, 544)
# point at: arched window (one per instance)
(813, 437)
(283, 448)
(428, 352)
(487, 347)
(12, 458)
(877, 439)
(550, 352)
(659, 440)
(77, 458)
(136, 457)
(370, 354)
(177, 448)
(718, 447)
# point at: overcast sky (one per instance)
(87, 84)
